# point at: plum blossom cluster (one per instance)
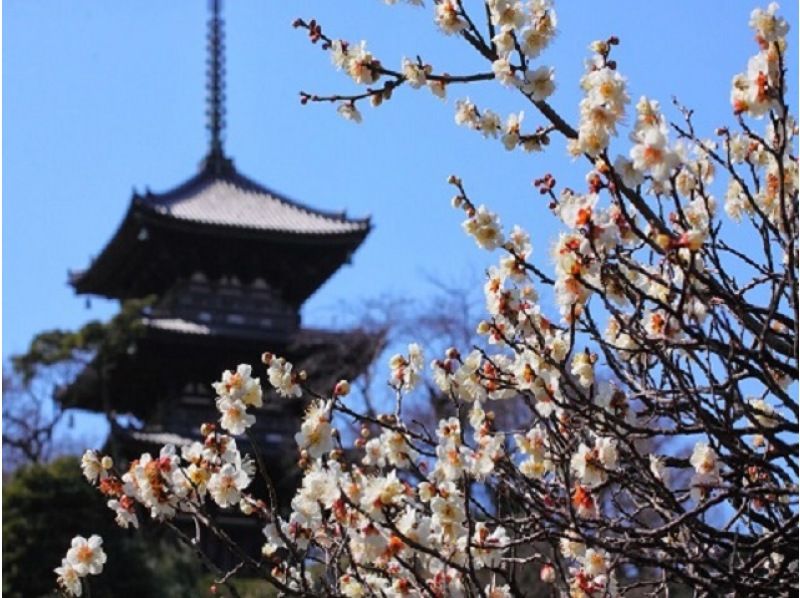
(625, 420)
(756, 91)
(529, 28)
(521, 29)
(176, 481)
(85, 557)
(237, 391)
(603, 106)
(382, 518)
(759, 92)
(527, 31)
(184, 479)
(491, 125)
(406, 370)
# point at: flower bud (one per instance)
(483, 327)
(342, 388)
(245, 507)
(457, 201)
(453, 180)
(548, 573)
(267, 357)
(207, 429)
(107, 462)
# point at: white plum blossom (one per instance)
(125, 511)
(484, 226)
(764, 413)
(539, 83)
(282, 377)
(506, 14)
(68, 579)
(591, 464)
(391, 448)
(541, 30)
(240, 385)
(504, 41)
(406, 370)
(489, 124)
(437, 88)
(234, 418)
(768, 26)
(92, 466)
(339, 54)
(582, 368)
(595, 562)
(361, 65)
(704, 459)
(467, 114)
(416, 75)
(504, 72)
(448, 17)
(651, 155)
(348, 111)
(86, 556)
(631, 177)
(225, 486)
(316, 433)
(511, 132)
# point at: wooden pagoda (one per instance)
(228, 263)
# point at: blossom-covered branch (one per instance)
(638, 436)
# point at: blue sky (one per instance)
(103, 97)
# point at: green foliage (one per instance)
(101, 339)
(44, 506)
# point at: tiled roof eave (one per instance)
(233, 200)
(356, 234)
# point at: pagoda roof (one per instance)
(221, 223)
(230, 199)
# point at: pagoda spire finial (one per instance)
(215, 87)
